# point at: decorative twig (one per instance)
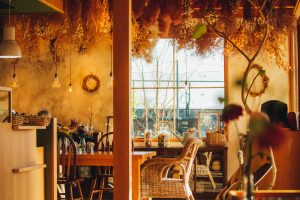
(223, 35)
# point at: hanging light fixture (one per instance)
(9, 48)
(186, 85)
(14, 84)
(56, 83)
(111, 78)
(70, 84)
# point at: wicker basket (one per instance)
(17, 120)
(216, 139)
(37, 121)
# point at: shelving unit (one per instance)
(28, 127)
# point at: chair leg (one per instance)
(58, 195)
(71, 192)
(101, 187)
(92, 188)
(212, 180)
(79, 189)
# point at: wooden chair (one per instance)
(155, 182)
(102, 173)
(67, 174)
(203, 169)
(235, 182)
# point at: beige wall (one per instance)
(36, 93)
(278, 89)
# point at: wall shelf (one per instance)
(29, 168)
(28, 127)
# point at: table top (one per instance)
(201, 148)
(106, 159)
(268, 194)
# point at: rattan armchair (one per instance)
(155, 182)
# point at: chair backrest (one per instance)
(189, 153)
(277, 111)
(67, 155)
(105, 143)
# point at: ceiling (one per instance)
(25, 6)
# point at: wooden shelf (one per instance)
(28, 127)
(28, 168)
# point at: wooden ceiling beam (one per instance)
(297, 9)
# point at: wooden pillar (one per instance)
(121, 96)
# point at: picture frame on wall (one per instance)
(208, 121)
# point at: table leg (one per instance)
(136, 174)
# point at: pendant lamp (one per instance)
(9, 48)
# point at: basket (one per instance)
(17, 120)
(37, 121)
(216, 139)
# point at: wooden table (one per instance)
(267, 194)
(106, 159)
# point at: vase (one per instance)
(248, 187)
(147, 137)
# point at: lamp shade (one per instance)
(9, 48)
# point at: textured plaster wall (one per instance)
(36, 92)
(278, 89)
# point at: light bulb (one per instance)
(56, 83)
(70, 87)
(14, 84)
(111, 80)
(186, 86)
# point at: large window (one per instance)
(174, 88)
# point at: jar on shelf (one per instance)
(147, 137)
(163, 137)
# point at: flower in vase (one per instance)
(258, 122)
(272, 135)
(232, 112)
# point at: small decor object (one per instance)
(17, 120)
(191, 132)
(208, 121)
(147, 137)
(33, 120)
(265, 81)
(91, 83)
(216, 138)
(163, 137)
(44, 113)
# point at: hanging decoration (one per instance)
(91, 83)
(234, 18)
(265, 81)
(14, 84)
(70, 83)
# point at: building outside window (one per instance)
(174, 87)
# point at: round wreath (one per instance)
(90, 83)
(265, 80)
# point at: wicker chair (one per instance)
(155, 182)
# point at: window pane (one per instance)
(163, 88)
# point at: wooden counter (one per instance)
(21, 165)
